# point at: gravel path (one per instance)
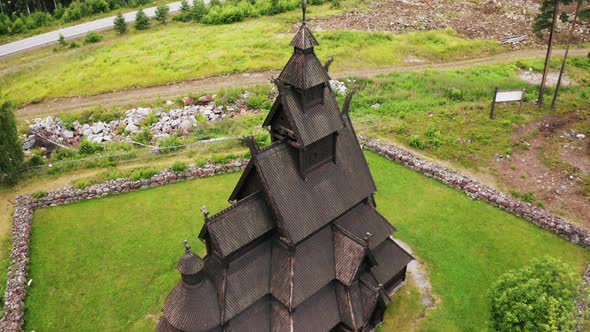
(212, 84)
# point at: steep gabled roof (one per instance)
(247, 185)
(391, 259)
(364, 219)
(314, 265)
(319, 313)
(306, 205)
(309, 125)
(238, 225)
(349, 254)
(304, 71)
(184, 310)
(248, 279)
(255, 318)
(304, 39)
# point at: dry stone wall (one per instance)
(25, 205)
(17, 282)
(476, 190)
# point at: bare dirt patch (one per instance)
(495, 20)
(551, 159)
(535, 77)
(418, 274)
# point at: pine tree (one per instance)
(120, 24)
(162, 13)
(198, 11)
(11, 153)
(142, 22)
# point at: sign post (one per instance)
(506, 96)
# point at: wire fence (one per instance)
(152, 153)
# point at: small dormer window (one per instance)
(313, 96)
(318, 153)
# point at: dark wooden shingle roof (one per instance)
(364, 219)
(238, 225)
(304, 39)
(304, 71)
(248, 279)
(184, 307)
(319, 312)
(391, 259)
(255, 318)
(306, 205)
(349, 254)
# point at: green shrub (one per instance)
(179, 167)
(92, 37)
(528, 197)
(184, 15)
(258, 100)
(162, 13)
(120, 24)
(144, 136)
(454, 94)
(34, 160)
(416, 142)
(39, 194)
(171, 143)
(87, 148)
(149, 120)
(143, 173)
(142, 21)
(62, 40)
(74, 45)
(539, 297)
(63, 154)
(198, 11)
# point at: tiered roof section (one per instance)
(302, 248)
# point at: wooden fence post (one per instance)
(493, 104)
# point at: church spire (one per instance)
(304, 9)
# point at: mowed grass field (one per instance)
(178, 51)
(108, 264)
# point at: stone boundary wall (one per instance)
(17, 282)
(476, 190)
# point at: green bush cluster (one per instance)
(539, 297)
(39, 194)
(87, 148)
(143, 173)
(92, 37)
(233, 10)
(179, 167)
(171, 143)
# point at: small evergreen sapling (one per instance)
(120, 24)
(142, 22)
(162, 13)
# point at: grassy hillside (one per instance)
(179, 51)
(112, 269)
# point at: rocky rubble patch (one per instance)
(52, 131)
(17, 282)
(476, 190)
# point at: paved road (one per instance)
(214, 83)
(76, 31)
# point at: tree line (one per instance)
(18, 16)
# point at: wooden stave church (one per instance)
(302, 247)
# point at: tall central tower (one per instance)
(302, 247)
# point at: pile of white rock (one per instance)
(338, 87)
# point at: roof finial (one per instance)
(205, 211)
(187, 247)
(304, 8)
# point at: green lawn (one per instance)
(180, 51)
(108, 264)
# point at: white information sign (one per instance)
(506, 96)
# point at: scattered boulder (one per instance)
(188, 101)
